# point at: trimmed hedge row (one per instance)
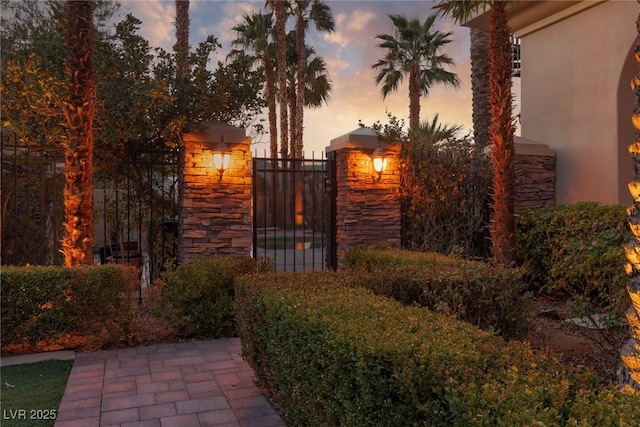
(38, 303)
(490, 297)
(333, 356)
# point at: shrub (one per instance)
(490, 297)
(334, 355)
(39, 303)
(577, 252)
(196, 298)
(444, 190)
(446, 196)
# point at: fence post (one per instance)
(367, 202)
(215, 205)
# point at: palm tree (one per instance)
(77, 241)
(305, 11)
(502, 127)
(414, 51)
(253, 34)
(630, 354)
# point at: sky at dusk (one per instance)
(349, 53)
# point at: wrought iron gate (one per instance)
(293, 225)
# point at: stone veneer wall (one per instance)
(215, 217)
(535, 166)
(367, 209)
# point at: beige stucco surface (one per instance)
(575, 97)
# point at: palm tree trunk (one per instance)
(630, 370)
(480, 86)
(281, 17)
(182, 39)
(501, 131)
(300, 86)
(297, 213)
(77, 242)
(271, 100)
(414, 98)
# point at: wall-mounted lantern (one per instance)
(379, 160)
(221, 157)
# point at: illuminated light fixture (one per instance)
(379, 161)
(221, 157)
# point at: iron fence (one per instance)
(135, 204)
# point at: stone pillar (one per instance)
(367, 204)
(215, 212)
(535, 175)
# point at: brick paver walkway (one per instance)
(202, 383)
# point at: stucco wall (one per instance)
(571, 76)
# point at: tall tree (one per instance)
(502, 127)
(305, 11)
(480, 86)
(253, 34)
(414, 51)
(77, 242)
(630, 354)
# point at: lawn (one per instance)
(31, 392)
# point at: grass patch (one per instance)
(31, 393)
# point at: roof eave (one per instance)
(526, 17)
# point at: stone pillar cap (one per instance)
(212, 131)
(529, 147)
(362, 137)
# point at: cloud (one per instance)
(335, 66)
(158, 21)
(232, 13)
(350, 28)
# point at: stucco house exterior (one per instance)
(577, 62)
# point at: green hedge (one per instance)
(575, 250)
(487, 296)
(39, 303)
(339, 356)
(196, 298)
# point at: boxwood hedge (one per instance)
(334, 356)
(490, 297)
(38, 303)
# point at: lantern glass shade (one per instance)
(221, 157)
(379, 160)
